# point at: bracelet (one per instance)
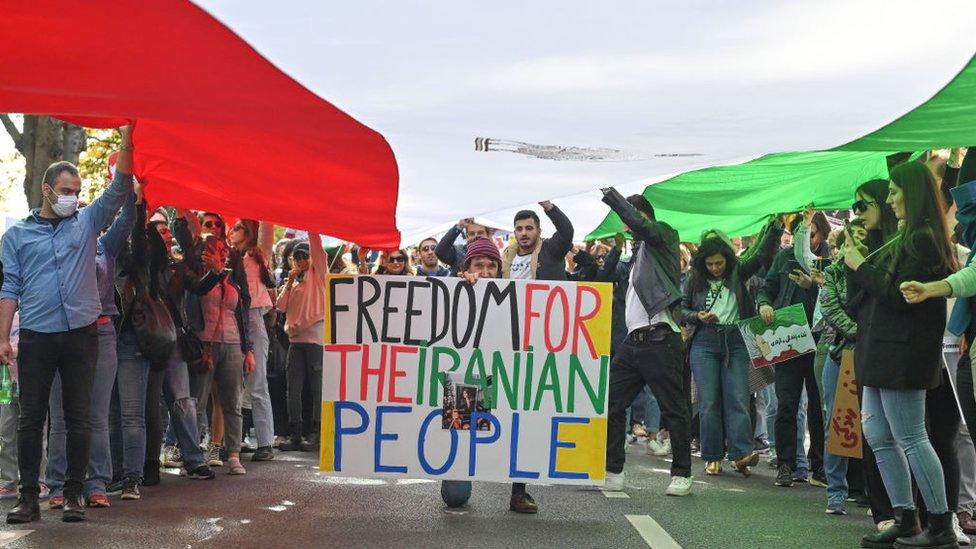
(124, 148)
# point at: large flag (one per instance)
(375, 120)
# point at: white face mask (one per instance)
(65, 206)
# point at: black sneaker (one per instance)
(246, 449)
(818, 479)
(784, 476)
(263, 453)
(202, 472)
(130, 489)
(114, 489)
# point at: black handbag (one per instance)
(153, 326)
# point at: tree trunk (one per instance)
(44, 141)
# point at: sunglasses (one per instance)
(427, 248)
(213, 224)
(300, 256)
(861, 206)
(397, 259)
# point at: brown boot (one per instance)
(523, 503)
(742, 465)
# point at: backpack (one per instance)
(153, 326)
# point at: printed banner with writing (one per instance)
(844, 437)
(788, 336)
(502, 380)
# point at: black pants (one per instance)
(72, 354)
(791, 376)
(661, 366)
(964, 385)
(304, 366)
(942, 421)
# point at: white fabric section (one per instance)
(725, 81)
(635, 314)
(522, 267)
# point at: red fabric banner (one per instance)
(218, 127)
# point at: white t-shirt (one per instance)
(521, 267)
(722, 302)
(636, 315)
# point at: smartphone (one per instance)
(793, 265)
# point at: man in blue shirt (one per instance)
(49, 274)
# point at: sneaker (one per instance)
(56, 502)
(961, 537)
(680, 486)
(130, 490)
(115, 488)
(278, 441)
(638, 430)
(43, 491)
(667, 445)
(696, 447)
(784, 476)
(771, 461)
(966, 522)
(742, 465)
(713, 468)
(614, 482)
(263, 453)
(760, 445)
(885, 524)
(801, 476)
(213, 456)
(655, 448)
(235, 467)
(98, 500)
(247, 449)
(835, 510)
(172, 457)
(818, 479)
(202, 472)
(523, 503)
(8, 492)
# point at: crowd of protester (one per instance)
(104, 402)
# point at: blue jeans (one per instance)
(182, 411)
(645, 410)
(894, 426)
(100, 458)
(720, 364)
(835, 467)
(133, 375)
(256, 394)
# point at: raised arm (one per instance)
(266, 239)
(100, 213)
(763, 250)
(113, 241)
(561, 242)
(651, 232)
(320, 261)
(445, 250)
(831, 305)
(609, 268)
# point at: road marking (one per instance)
(13, 535)
(655, 536)
(621, 495)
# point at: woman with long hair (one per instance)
(253, 241)
(898, 355)
(715, 299)
(396, 262)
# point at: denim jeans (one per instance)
(131, 380)
(182, 411)
(256, 395)
(835, 467)
(100, 457)
(645, 410)
(720, 364)
(894, 425)
(72, 354)
(228, 374)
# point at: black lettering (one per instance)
(438, 288)
(363, 304)
(498, 295)
(387, 310)
(411, 312)
(336, 308)
(469, 325)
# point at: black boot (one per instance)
(74, 508)
(906, 524)
(295, 441)
(938, 534)
(26, 510)
(313, 440)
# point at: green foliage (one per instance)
(93, 162)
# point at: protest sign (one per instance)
(788, 336)
(844, 437)
(502, 380)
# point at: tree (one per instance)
(43, 141)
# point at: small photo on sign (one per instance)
(461, 400)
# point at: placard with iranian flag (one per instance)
(788, 336)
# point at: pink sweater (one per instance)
(304, 302)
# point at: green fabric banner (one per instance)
(738, 198)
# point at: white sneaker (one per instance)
(655, 448)
(885, 524)
(614, 482)
(680, 486)
(666, 444)
(961, 537)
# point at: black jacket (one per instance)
(899, 346)
(549, 256)
(779, 291)
(754, 259)
(657, 258)
(449, 253)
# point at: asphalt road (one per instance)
(289, 503)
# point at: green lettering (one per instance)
(549, 381)
(421, 368)
(478, 357)
(500, 378)
(436, 375)
(527, 397)
(597, 396)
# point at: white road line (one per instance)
(655, 536)
(621, 495)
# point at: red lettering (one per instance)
(529, 313)
(366, 372)
(559, 292)
(394, 373)
(343, 350)
(579, 320)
